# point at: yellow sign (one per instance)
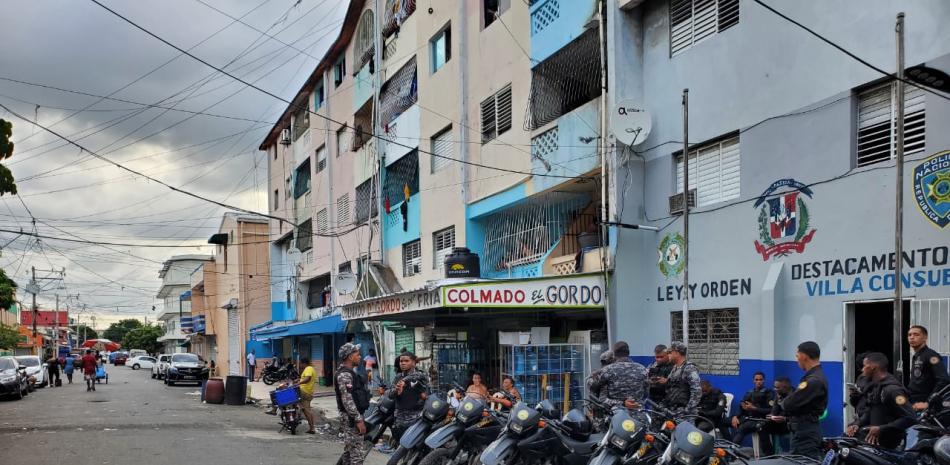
(523, 415)
(695, 438)
(628, 426)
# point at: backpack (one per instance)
(360, 393)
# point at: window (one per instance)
(877, 123)
(442, 146)
(693, 21)
(400, 175)
(317, 291)
(400, 92)
(302, 179)
(305, 236)
(713, 339)
(301, 120)
(412, 258)
(366, 201)
(567, 79)
(440, 48)
(339, 70)
(345, 267)
(323, 223)
(276, 199)
(363, 42)
(713, 171)
(289, 187)
(496, 114)
(493, 8)
(341, 141)
(321, 159)
(442, 243)
(343, 209)
(318, 97)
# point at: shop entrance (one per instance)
(870, 328)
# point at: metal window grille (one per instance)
(366, 201)
(933, 314)
(877, 122)
(693, 21)
(442, 243)
(713, 339)
(323, 222)
(402, 173)
(398, 93)
(545, 15)
(564, 81)
(714, 171)
(321, 158)
(544, 144)
(363, 42)
(523, 234)
(442, 146)
(412, 258)
(496, 114)
(343, 209)
(305, 236)
(301, 120)
(302, 179)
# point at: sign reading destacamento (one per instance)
(576, 291)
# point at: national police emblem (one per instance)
(932, 188)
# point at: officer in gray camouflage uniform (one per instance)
(683, 390)
(623, 382)
(410, 389)
(352, 398)
(606, 358)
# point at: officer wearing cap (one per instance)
(352, 399)
(683, 389)
(928, 373)
(606, 358)
(623, 382)
(888, 413)
(804, 407)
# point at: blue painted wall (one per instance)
(261, 349)
(394, 235)
(572, 157)
(554, 23)
(474, 229)
(281, 311)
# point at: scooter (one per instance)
(625, 438)
(412, 447)
(523, 422)
(568, 441)
(466, 436)
(378, 418)
(287, 400)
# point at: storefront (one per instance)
(540, 331)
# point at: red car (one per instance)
(120, 359)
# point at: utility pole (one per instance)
(34, 289)
(899, 204)
(686, 216)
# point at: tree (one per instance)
(117, 331)
(145, 338)
(9, 337)
(7, 184)
(7, 291)
(85, 332)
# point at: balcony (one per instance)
(555, 23)
(559, 149)
(301, 148)
(302, 208)
(363, 87)
(364, 162)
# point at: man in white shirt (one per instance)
(251, 364)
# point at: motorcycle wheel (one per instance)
(440, 456)
(269, 380)
(398, 456)
(293, 429)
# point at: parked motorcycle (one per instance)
(269, 369)
(378, 418)
(412, 447)
(287, 372)
(466, 436)
(624, 439)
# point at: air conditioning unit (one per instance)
(676, 202)
(285, 136)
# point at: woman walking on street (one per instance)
(89, 370)
(68, 367)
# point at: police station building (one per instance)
(793, 178)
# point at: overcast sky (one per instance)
(78, 46)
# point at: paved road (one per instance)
(136, 420)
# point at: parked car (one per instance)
(35, 370)
(13, 378)
(188, 368)
(142, 361)
(120, 359)
(159, 369)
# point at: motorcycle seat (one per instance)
(585, 447)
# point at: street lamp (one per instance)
(930, 77)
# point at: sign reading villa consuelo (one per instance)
(578, 291)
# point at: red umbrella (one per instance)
(101, 344)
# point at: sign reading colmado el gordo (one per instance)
(576, 291)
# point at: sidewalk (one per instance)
(324, 399)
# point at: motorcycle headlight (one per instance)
(683, 457)
(619, 442)
(517, 428)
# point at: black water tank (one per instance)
(462, 263)
(235, 391)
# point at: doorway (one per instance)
(870, 327)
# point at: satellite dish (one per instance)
(630, 122)
(293, 255)
(345, 283)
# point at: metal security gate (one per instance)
(234, 343)
(933, 314)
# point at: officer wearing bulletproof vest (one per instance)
(606, 358)
(659, 371)
(756, 404)
(804, 407)
(928, 373)
(623, 382)
(352, 399)
(888, 413)
(778, 423)
(410, 389)
(683, 390)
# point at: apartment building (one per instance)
(176, 308)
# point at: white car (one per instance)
(142, 361)
(159, 369)
(34, 368)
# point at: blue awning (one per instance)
(185, 295)
(330, 324)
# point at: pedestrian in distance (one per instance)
(682, 386)
(888, 413)
(52, 370)
(756, 404)
(623, 382)
(251, 364)
(928, 373)
(352, 399)
(370, 362)
(807, 404)
(68, 366)
(658, 371)
(307, 383)
(89, 365)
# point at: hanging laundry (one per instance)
(404, 210)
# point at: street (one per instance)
(137, 418)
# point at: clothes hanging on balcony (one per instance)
(404, 211)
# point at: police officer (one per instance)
(857, 391)
(712, 407)
(928, 373)
(658, 371)
(623, 382)
(756, 403)
(804, 407)
(682, 386)
(410, 388)
(352, 399)
(606, 358)
(778, 424)
(888, 413)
